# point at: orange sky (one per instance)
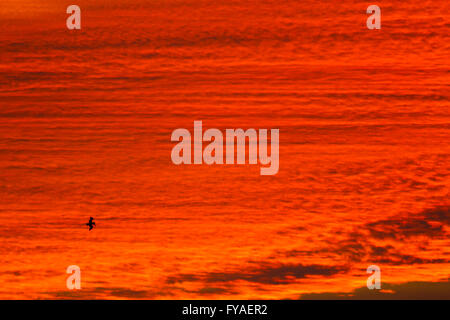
(86, 118)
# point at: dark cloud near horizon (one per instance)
(106, 293)
(360, 246)
(265, 274)
(419, 290)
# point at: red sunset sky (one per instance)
(85, 123)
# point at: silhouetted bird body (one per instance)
(91, 223)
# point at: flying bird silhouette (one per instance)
(91, 223)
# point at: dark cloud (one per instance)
(405, 291)
(369, 253)
(362, 245)
(104, 293)
(214, 290)
(441, 214)
(182, 278)
(402, 259)
(16, 273)
(403, 228)
(265, 274)
(429, 223)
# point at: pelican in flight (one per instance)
(91, 223)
